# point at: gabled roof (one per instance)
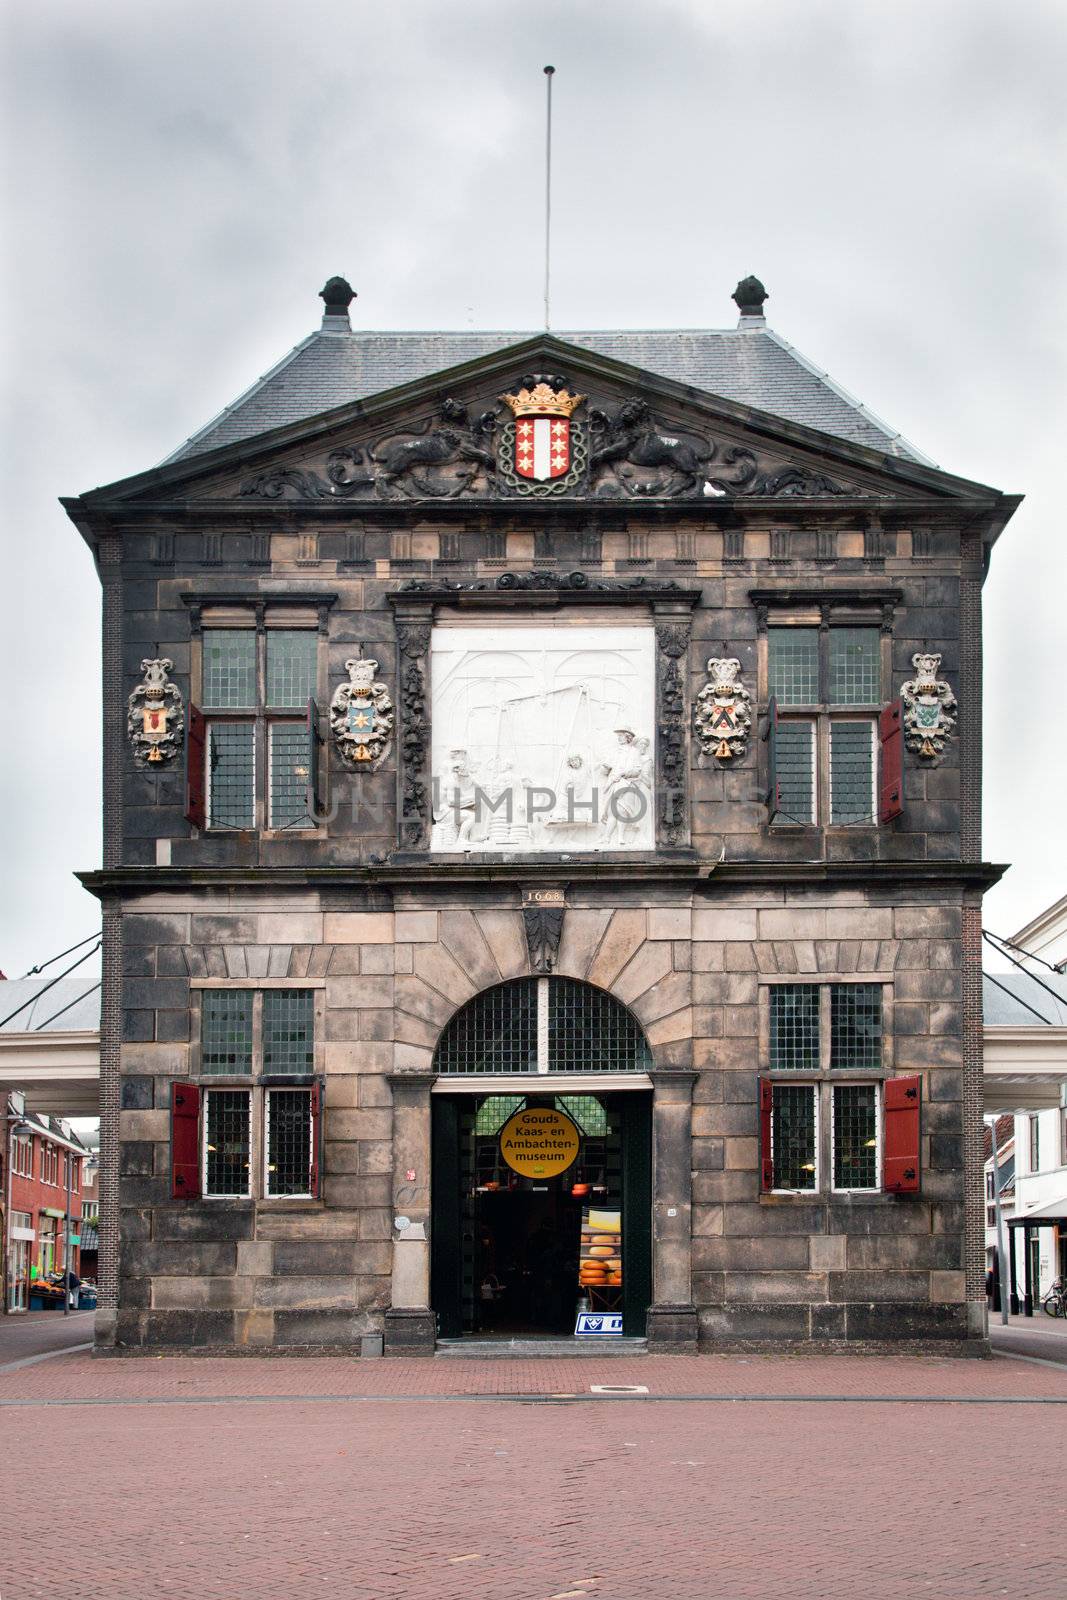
(750, 366)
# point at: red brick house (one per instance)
(41, 1165)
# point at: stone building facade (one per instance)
(585, 723)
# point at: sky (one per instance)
(182, 178)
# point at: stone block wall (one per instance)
(693, 966)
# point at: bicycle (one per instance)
(1055, 1302)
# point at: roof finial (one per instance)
(337, 294)
(749, 297)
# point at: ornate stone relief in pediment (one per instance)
(543, 441)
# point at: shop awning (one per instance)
(1047, 1216)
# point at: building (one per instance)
(1045, 936)
(541, 854)
(1026, 1027)
(42, 1173)
(50, 1043)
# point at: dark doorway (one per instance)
(505, 1249)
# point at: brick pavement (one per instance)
(448, 1497)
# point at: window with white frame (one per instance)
(258, 686)
(825, 1131)
(258, 1131)
(824, 689)
(22, 1155)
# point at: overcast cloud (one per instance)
(184, 177)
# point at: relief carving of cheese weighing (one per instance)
(542, 739)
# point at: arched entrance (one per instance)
(542, 1162)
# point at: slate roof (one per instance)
(40, 1014)
(752, 366)
(1000, 1009)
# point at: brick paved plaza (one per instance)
(390, 1480)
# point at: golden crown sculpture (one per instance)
(543, 401)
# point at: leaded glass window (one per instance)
(288, 1031)
(542, 1025)
(227, 1144)
(855, 1135)
(229, 669)
(288, 774)
(289, 1141)
(793, 666)
(231, 775)
(855, 667)
(261, 767)
(851, 772)
(291, 663)
(226, 1031)
(855, 1025)
(795, 1026)
(589, 1031)
(494, 1111)
(796, 772)
(793, 1139)
(824, 765)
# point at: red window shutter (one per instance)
(185, 1141)
(900, 1138)
(195, 769)
(772, 796)
(891, 738)
(766, 1108)
(316, 1137)
(314, 798)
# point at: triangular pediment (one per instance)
(606, 432)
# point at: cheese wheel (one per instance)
(602, 1249)
(606, 1238)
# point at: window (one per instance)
(22, 1156)
(824, 686)
(823, 1034)
(259, 729)
(1035, 1144)
(250, 1126)
(49, 1163)
(542, 1025)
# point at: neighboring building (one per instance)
(90, 1242)
(1046, 935)
(539, 818)
(1026, 1026)
(50, 1043)
(42, 1167)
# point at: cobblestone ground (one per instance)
(421, 1480)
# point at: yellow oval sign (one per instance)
(539, 1142)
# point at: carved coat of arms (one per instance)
(155, 720)
(929, 707)
(542, 451)
(361, 715)
(723, 712)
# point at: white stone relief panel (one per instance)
(543, 738)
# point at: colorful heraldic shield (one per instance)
(542, 446)
(361, 716)
(723, 712)
(155, 722)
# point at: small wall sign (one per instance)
(598, 1324)
(539, 1142)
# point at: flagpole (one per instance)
(549, 71)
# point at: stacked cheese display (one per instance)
(600, 1264)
